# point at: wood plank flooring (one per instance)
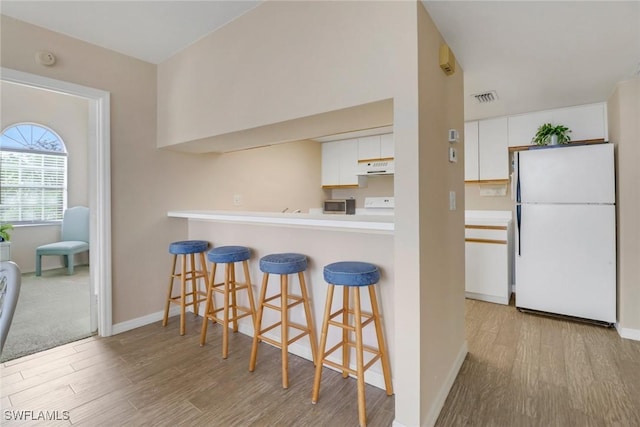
(153, 377)
(528, 370)
(522, 370)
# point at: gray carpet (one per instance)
(52, 310)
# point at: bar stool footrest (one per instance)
(211, 315)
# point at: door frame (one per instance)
(99, 162)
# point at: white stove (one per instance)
(378, 206)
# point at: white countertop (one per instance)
(488, 217)
(362, 223)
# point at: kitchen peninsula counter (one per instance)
(324, 239)
(361, 223)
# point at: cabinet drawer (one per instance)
(486, 234)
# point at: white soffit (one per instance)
(149, 30)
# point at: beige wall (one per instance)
(624, 130)
(68, 117)
(441, 107)
(268, 178)
(475, 201)
(146, 182)
(280, 61)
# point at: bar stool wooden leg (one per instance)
(346, 351)
(382, 346)
(323, 343)
(168, 304)
(225, 322)
(233, 291)
(209, 306)
(362, 409)
(192, 261)
(258, 323)
(284, 302)
(183, 295)
(307, 312)
(247, 279)
(205, 274)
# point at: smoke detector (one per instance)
(484, 97)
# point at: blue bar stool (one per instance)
(352, 276)
(228, 255)
(283, 265)
(182, 249)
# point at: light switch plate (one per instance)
(453, 135)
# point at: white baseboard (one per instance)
(437, 406)
(143, 321)
(371, 377)
(441, 397)
(628, 333)
(488, 298)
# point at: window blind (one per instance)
(33, 187)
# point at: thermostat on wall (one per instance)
(453, 135)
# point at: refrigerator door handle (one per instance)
(519, 224)
(518, 196)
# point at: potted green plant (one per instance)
(552, 134)
(5, 244)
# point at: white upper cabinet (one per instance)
(493, 149)
(349, 162)
(369, 147)
(523, 127)
(375, 147)
(340, 163)
(331, 163)
(585, 122)
(387, 150)
(471, 151)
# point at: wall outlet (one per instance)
(237, 200)
(452, 200)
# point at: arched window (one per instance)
(33, 174)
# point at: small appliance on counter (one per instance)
(378, 206)
(340, 206)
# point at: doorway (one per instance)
(98, 154)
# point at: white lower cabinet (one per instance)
(488, 261)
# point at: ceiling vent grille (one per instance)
(484, 97)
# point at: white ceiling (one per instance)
(541, 54)
(535, 55)
(149, 30)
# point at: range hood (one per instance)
(376, 167)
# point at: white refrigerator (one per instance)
(565, 251)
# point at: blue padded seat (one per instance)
(62, 248)
(228, 254)
(351, 273)
(187, 247)
(74, 238)
(287, 263)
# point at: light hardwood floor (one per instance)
(528, 370)
(521, 370)
(151, 376)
